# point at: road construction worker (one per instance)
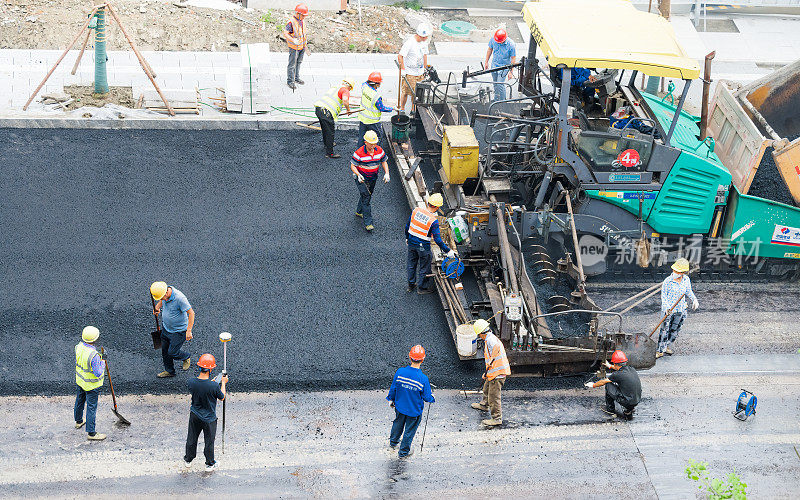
(676, 286)
(413, 59)
(622, 385)
(205, 392)
(504, 51)
(371, 107)
(295, 34)
(423, 225)
(497, 369)
(177, 321)
(407, 395)
(90, 369)
(364, 165)
(327, 109)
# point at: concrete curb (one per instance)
(158, 124)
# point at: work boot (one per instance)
(96, 437)
(165, 374)
(210, 468)
(291, 85)
(480, 406)
(411, 287)
(369, 227)
(186, 364)
(492, 422)
(301, 82)
(424, 291)
(359, 215)
(659, 354)
(668, 351)
(187, 464)
(410, 452)
(628, 414)
(609, 409)
(80, 424)
(333, 155)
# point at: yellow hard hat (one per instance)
(349, 80)
(681, 266)
(371, 137)
(158, 290)
(90, 334)
(480, 326)
(608, 146)
(435, 200)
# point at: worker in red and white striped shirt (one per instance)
(365, 164)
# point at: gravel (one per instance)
(768, 182)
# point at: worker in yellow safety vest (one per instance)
(295, 34)
(372, 106)
(497, 369)
(327, 109)
(90, 369)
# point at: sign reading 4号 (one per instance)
(629, 158)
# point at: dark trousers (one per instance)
(293, 69)
(406, 427)
(171, 344)
(365, 190)
(328, 127)
(362, 129)
(209, 430)
(88, 398)
(669, 330)
(612, 395)
(418, 266)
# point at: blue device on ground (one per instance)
(745, 409)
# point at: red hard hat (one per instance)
(500, 36)
(207, 361)
(375, 76)
(301, 9)
(417, 353)
(619, 357)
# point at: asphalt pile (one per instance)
(256, 228)
(768, 182)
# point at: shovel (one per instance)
(156, 334)
(122, 420)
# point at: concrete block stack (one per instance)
(247, 87)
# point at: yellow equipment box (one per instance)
(459, 153)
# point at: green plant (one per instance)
(351, 47)
(269, 18)
(732, 487)
(408, 4)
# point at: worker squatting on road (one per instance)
(504, 51)
(407, 395)
(371, 107)
(421, 226)
(90, 370)
(295, 34)
(413, 59)
(676, 288)
(327, 109)
(622, 386)
(177, 321)
(497, 369)
(364, 165)
(203, 411)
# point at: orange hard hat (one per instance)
(375, 76)
(207, 361)
(417, 353)
(301, 8)
(500, 36)
(619, 357)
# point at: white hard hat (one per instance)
(424, 29)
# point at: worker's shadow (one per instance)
(396, 470)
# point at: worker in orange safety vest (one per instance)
(497, 369)
(295, 34)
(422, 226)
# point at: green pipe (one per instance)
(100, 58)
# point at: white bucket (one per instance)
(466, 340)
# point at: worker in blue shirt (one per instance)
(410, 389)
(505, 52)
(580, 77)
(423, 225)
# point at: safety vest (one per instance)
(494, 354)
(84, 376)
(421, 222)
(297, 39)
(369, 113)
(331, 102)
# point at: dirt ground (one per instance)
(85, 96)
(163, 25)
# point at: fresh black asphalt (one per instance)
(257, 228)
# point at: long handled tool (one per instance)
(667, 314)
(122, 420)
(312, 125)
(156, 334)
(425, 429)
(224, 337)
